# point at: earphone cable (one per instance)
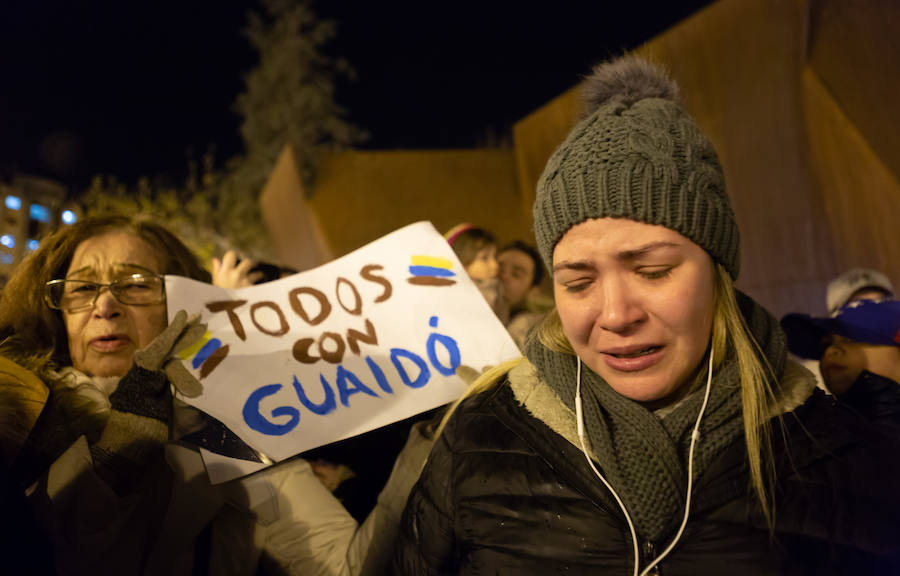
(695, 436)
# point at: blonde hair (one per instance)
(729, 331)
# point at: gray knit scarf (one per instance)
(642, 456)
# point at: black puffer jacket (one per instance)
(507, 491)
(877, 399)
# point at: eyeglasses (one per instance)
(134, 290)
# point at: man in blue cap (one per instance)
(859, 355)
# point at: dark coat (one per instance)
(507, 491)
(877, 399)
(24, 547)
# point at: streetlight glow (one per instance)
(13, 202)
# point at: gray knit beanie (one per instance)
(637, 155)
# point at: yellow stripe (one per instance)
(432, 261)
(195, 347)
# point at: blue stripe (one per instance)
(206, 352)
(430, 271)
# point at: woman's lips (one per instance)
(634, 358)
(110, 343)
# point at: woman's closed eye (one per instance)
(84, 287)
(576, 284)
(655, 272)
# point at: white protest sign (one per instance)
(358, 343)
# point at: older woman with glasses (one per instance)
(85, 343)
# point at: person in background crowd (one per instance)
(476, 249)
(857, 284)
(114, 489)
(521, 273)
(231, 271)
(859, 354)
(852, 286)
(656, 425)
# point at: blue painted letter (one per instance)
(345, 377)
(257, 422)
(424, 372)
(449, 345)
(380, 378)
(326, 406)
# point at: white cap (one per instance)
(841, 289)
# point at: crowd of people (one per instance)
(657, 421)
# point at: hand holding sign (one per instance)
(181, 334)
(366, 340)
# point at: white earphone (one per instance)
(695, 435)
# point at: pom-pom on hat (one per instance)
(637, 155)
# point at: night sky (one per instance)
(130, 88)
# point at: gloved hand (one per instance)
(160, 354)
(137, 427)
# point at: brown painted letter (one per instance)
(354, 337)
(282, 330)
(366, 273)
(331, 356)
(324, 304)
(301, 351)
(357, 308)
(228, 306)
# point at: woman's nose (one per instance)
(620, 311)
(106, 305)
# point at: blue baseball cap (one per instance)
(863, 321)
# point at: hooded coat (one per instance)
(507, 490)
